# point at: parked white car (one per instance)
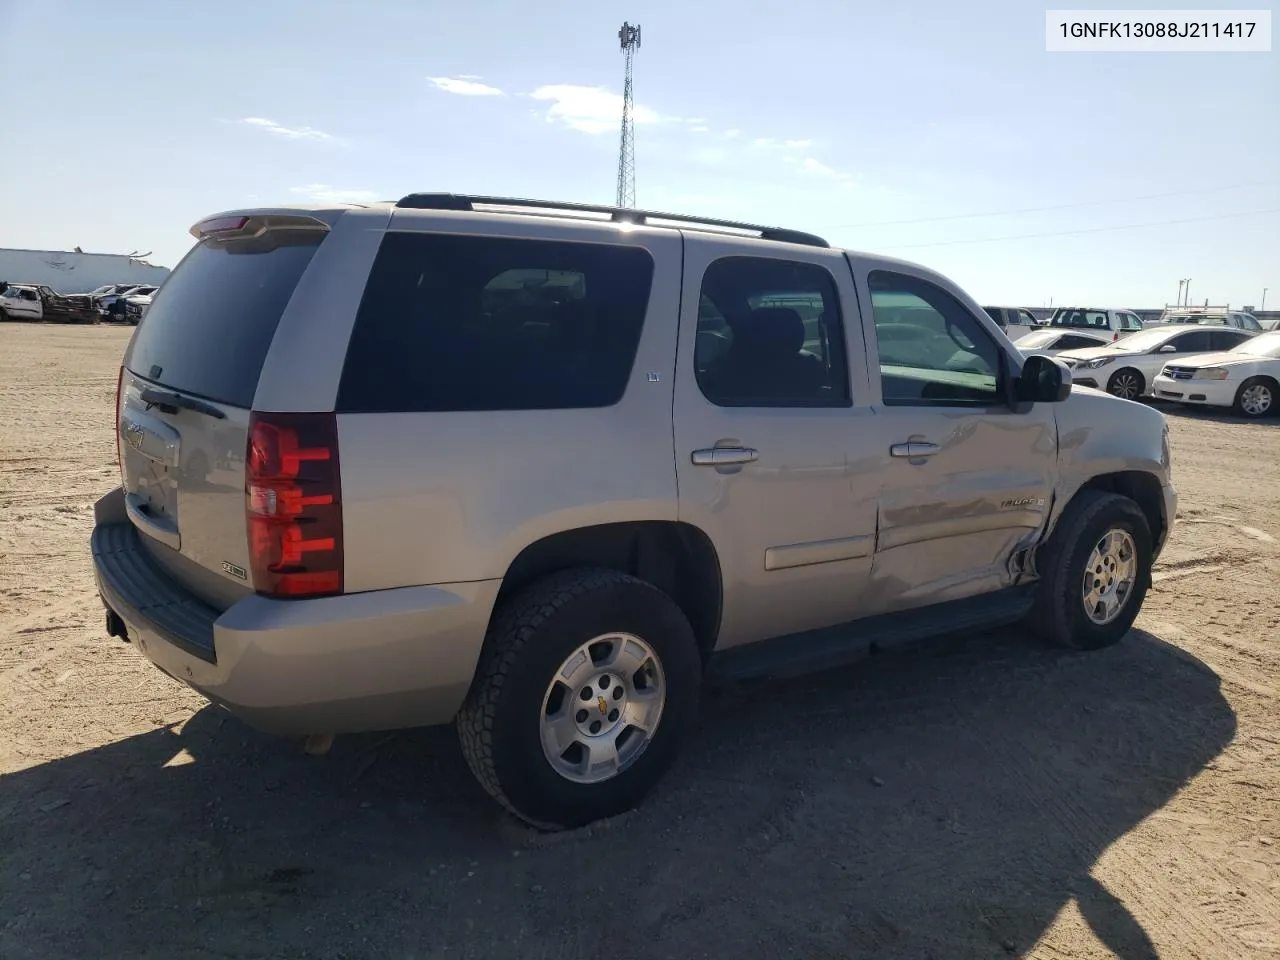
(1016, 322)
(20, 302)
(1127, 367)
(1245, 378)
(1114, 323)
(1051, 342)
(1212, 316)
(136, 305)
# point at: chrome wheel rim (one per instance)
(602, 708)
(1110, 575)
(1125, 386)
(1256, 400)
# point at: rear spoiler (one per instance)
(251, 225)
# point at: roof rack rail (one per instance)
(455, 201)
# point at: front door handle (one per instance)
(724, 456)
(915, 448)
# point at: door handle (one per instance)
(915, 448)
(723, 456)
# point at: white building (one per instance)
(75, 272)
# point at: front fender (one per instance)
(1103, 436)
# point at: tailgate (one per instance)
(186, 392)
(182, 464)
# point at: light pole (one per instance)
(1264, 299)
(1188, 293)
(1179, 300)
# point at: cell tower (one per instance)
(629, 37)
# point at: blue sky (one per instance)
(126, 121)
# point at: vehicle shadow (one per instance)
(1210, 414)
(942, 802)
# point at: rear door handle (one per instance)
(915, 448)
(724, 456)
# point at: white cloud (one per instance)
(589, 109)
(323, 193)
(810, 165)
(291, 133)
(773, 142)
(732, 134)
(817, 168)
(465, 85)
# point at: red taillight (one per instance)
(116, 423)
(294, 504)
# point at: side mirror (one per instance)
(1044, 380)
(1168, 348)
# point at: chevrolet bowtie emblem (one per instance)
(603, 704)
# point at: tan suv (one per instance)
(540, 468)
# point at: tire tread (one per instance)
(516, 621)
(1049, 612)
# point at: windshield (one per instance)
(1263, 345)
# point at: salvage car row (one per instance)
(118, 302)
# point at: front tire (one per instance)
(1127, 384)
(1256, 398)
(1095, 570)
(588, 684)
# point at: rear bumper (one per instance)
(380, 660)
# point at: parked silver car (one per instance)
(539, 469)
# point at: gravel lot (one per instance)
(981, 797)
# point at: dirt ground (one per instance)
(981, 797)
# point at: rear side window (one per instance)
(207, 333)
(780, 341)
(456, 323)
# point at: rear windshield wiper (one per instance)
(170, 402)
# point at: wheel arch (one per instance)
(1143, 488)
(1143, 379)
(676, 557)
(1266, 378)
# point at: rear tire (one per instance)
(1256, 398)
(1127, 384)
(1105, 537)
(535, 682)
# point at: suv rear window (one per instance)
(208, 331)
(454, 323)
